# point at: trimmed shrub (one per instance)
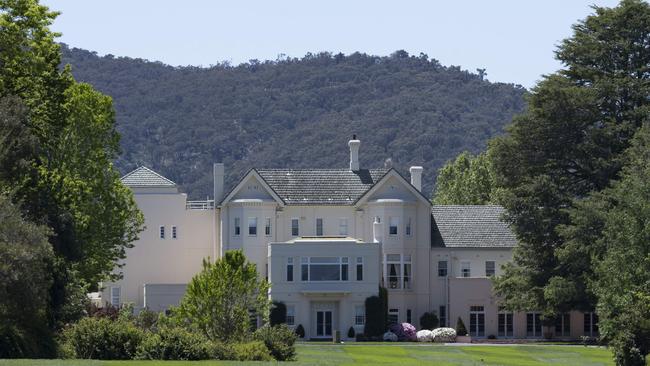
(251, 351)
(390, 337)
(375, 320)
(460, 327)
(444, 335)
(429, 320)
(300, 331)
(278, 313)
(351, 332)
(175, 344)
(279, 340)
(424, 335)
(103, 339)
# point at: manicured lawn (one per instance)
(397, 354)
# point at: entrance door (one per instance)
(323, 323)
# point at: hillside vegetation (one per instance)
(295, 113)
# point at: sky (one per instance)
(513, 39)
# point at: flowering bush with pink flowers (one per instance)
(404, 332)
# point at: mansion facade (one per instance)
(327, 239)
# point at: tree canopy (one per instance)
(467, 180)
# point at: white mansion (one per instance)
(327, 239)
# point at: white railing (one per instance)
(199, 205)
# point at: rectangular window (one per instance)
(533, 325)
(407, 229)
(393, 270)
(563, 325)
(304, 269)
(162, 232)
(290, 269)
(465, 269)
(590, 324)
(174, 232)
(267, 226)
(442, 268)
(408, 316)
(291, 315)
(252, 226)
(295, 227)
(397, 271)
(116, 296)
(343, 227)
(237, 226)
(489, 268)
(407, 271)
(393, 225)
(359, 315)
(359, 268)
(393, 316)
(442, 310)
(319, 227)
(504, 324)
(477, 321)
(324, 268)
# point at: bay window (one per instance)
(324, 268)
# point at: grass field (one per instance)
(398, 354)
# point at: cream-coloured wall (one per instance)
(339, 296)
(164, 261)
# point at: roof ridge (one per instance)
(146, 170)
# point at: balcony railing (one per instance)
(200, 205)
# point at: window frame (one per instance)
(289, 270)
(393, 225)
(465, 272)
(494, 268)
(442, 315)
(267, 226)
(505, 323)
(295, 230)
(161, 232)
(291, 315)
(408, 228)
(237, 226)
(404, 275)
(562, 326)
(344, 229)
(319, 226)
(342, 262)
(252, 220)
(359, 317)
(358, 266)
(537, 328)
(174, 232)
(113, 296)
(445, 269)
(476, 317)
(394, 312)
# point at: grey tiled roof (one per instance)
(470, 227)
(321, 186)
(145, 177)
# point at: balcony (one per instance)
(200, 205)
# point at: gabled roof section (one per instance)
(393, 173)
(145, 177)
(470, 227)
(265, 184)
(321, 186)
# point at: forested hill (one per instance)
(296, 113)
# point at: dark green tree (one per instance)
(278, 313)
(568, 143)
(620, 253)
(25, 256)
(467, 180)
(429, 320)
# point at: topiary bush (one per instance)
(175, 344)
(460, 327)
(278, 313)
(351, 332)
(103, 339)
(375, 320)
(429, 321)
(251, 351)
(279, 340)
(300, 331)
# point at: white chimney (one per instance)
(416, 177)
(354, 153)
(218, 171)
(377, 231)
